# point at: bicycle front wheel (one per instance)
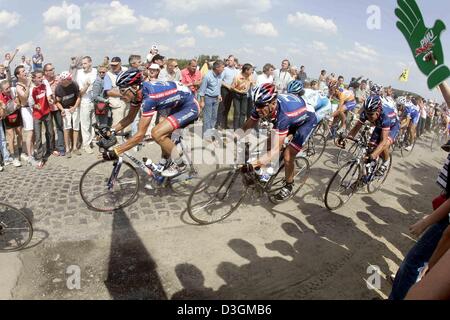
(343, 185)
(378, 181)
(16, 230)
(345, 155)
(217, 196)
(105, 187)
(315, 148)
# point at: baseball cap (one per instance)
(115, 61)
(154, 66)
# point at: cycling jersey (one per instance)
(170, 95)
(292, 117)
(412, 112)
(319, 102)
(387, 121)
(347, 98)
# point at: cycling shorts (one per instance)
(184, 114)
(303, 132)
(377, 134)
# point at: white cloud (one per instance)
(359, 52)
(106, 17)
(56, 14)
(260, 29)
(187, 42)
(270, 49)
(147, 25)
(207, 32)
(189, 6)
(318, 46)
(56, 33)
(312, 22)
(9, 19)
(26, 47)
(182, 29)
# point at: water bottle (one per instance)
(264, 176)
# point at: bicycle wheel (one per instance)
(377, 181)
(315, 148)
(16, 230)
(405, 153)
(343, 185)
(277, 182)
(217, 196)
(98, 195)
(345, 155)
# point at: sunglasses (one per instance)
(262, 106)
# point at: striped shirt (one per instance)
(442, 178)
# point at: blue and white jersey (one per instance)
(159, 95)
(291, 112)
(411, 110)
(387, 120)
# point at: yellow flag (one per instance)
(204, 69)
(404, 76)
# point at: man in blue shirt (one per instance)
(38, 59)
(210, 97)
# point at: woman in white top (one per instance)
(266, 76)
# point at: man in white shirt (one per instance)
(85, 79)
(266, 76)
(282, 77)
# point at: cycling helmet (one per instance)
(333, 84)
(129, 78)
(376, 90)
(401, 101)
(373, 104)
(264, 93)
(295, 86)
(65, 75)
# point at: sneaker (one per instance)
(381, 171)
(174, 170)
(88, 150)
(31, 161)
(446, 147)
(16, 163)
(8, 162)
(62, 153)
(24, 157)
(77, 152)
(285, 193)
(408, 148)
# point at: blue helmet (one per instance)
(295, 86)
(373, 103)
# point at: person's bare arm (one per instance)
(441, 249)
(435, 285)
(445, 90)
(14, 55)
(125, 122)
(437, 215)
(144, 123)
(114, 93)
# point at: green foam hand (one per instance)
(424, 42)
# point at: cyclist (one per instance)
(387, 127)
(412, 113)
(290, 116)
(347, 102)
(153, 97)
(316, 101)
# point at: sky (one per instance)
(324, 34)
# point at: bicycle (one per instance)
(440, 137)
(402, 142)
(16, 230)
(355, 175)
(112, 185)
(345, 155)
(221, 193)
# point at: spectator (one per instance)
(75, 65)
(302, 74)
(135, 61)
(159, 60)
(171, 72)
(423, 117)
(52, 81)
(430, 115)
(68, 101)
(106, 62)
(3, 74)
(323, 80)
(12, 120)
(191, 77)
(294, 72)
(388, 98)
(341, 82)
(361, 94)
(23, 89)
(103, 112)
(282, 77)
(154, 71)
(226, 93)
(26, 64)
(5, 158)
(241, 86)
(210, 98)
(85, 80)
(9, 59)
(119, 107)
(266, 76)
(38, 59)
(42, 96)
